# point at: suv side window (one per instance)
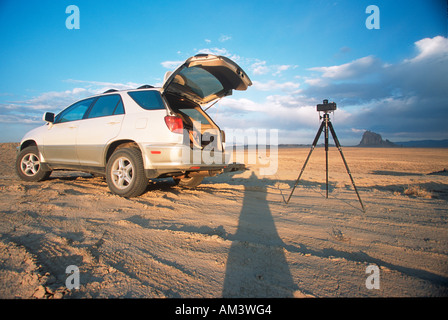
(74, 112)
(147, 99)
(106, 106)
(119, 109)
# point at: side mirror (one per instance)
(48, 117)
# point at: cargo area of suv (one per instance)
(195, 121)
(131, 136)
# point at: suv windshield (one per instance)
(74, 112)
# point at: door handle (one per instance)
(73, 127)
(114, 122)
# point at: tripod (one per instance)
(324, 126)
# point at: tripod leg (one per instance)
(306, 161)
(326, 151)
(338, 145)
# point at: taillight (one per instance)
(174, 124)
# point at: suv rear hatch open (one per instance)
(201, 80)
(205, 78)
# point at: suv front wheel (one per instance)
(125, 174)
(29, 167)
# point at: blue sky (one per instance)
(390, 80)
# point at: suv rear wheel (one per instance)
(29, 167)
(125, 174)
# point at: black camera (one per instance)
(326, 107)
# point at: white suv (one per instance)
(132, 136)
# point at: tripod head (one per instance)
(326, 107)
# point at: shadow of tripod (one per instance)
(324, 126)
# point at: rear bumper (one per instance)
(165, 160)
(205, 170)
(179, 155)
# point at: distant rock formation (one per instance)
(372, 139)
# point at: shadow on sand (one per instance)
(256, 264)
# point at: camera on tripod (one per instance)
(326, 107)
(327, 127)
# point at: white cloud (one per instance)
(13, 119)
(288, 112)
(30, 110)
(349, 70)
(281, 68)
(220, 52)
(428, 48)
(316, 82)
(47, 101)
(171, 64)
(96, 87)
(224, 38)
(261, 67)
(215, 51)
(57, 95)
(272, 85)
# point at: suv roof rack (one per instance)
(110, 90)
(145, 86)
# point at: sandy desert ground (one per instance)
(233, 236)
